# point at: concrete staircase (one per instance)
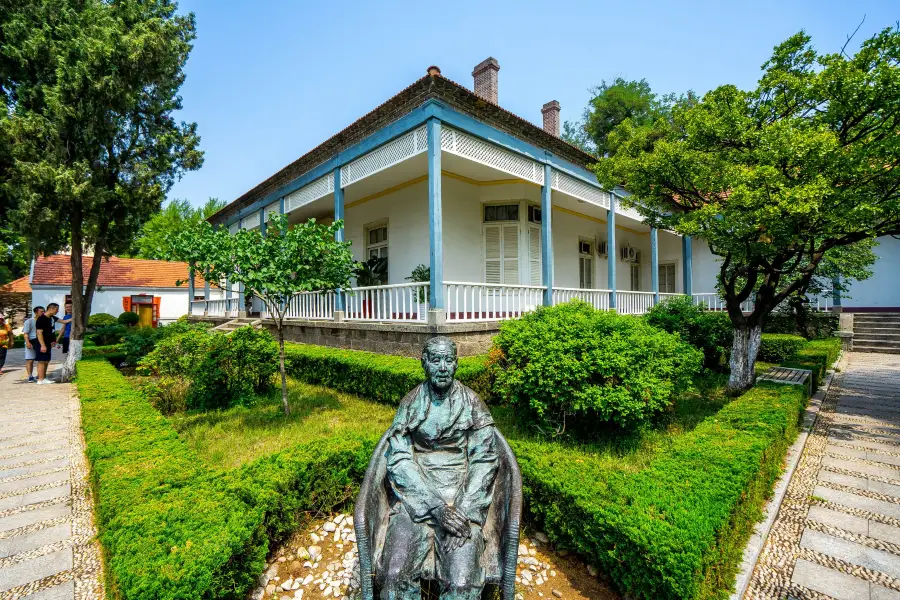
(238, 323)
(876, 332)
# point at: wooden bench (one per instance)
(789, 376)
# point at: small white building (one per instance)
(146, 287)
(504, 213)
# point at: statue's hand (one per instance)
(452, 521)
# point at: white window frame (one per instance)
(386, 244)
(635, 267)
(523, 258)
(593, 269)
(674, 265)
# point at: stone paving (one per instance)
(48, 547)
(837, 533)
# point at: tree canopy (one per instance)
(775, 179)
(90, 89)
(174, 217)
(303, 258)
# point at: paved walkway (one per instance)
(48, 549)
(837, 534)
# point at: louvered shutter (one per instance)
(511, 254)
(534, 251)
(492, 255)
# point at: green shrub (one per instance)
(167, 394)
(101, 320)
(709, 331)
(676, 529)
(819, 324)
(108, 335)
(139, 342)
(570, 368)
(177, 354)
(378, 377)
(172, 528)
(817, 356)
(128, 319)
(233, 369)
(101, 350)
(778, 347)
(19, 341)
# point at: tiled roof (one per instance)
(114, 272)
(17, 286)
(428, 87)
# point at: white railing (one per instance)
(633, 303)
(665, 295)
(198, 307)
(467, 302)
(712, 301)
(311, 305)
(215, 308)
(599, 299)
(403, 302)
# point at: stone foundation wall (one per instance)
(398, 339)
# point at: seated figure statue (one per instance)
(442, 497)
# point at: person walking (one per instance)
(66, 331)
(46, 341)
(29, 332)
(6, 341)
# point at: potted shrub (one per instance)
(371, 273)
(421, 274)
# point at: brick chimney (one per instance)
(551, 117)
(485, 75)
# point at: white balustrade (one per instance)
(468, 302)
(633, 303)
(198, 307)
(599, 299)
(404, 302)
(311, 305)
(215, 308)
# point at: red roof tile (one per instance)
(19, 285)
(114, 272)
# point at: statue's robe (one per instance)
(432, 461)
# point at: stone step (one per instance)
(875, 318)
(877, 334)
(866, 340)
(875, 350)
(876, 329)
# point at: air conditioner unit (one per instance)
(637, 257)
(602, 249)
(629, 254)
(584, 247)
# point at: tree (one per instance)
(90, 89)
(14, 255)
(274, 267)
(774, 179)
(175, 216)
(613, 103)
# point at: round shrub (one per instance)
(129, 319)
(178, 354)
(708, 331)
(140, 342)
(570, 368)
(101, 320)
(235, 368)
(109, 335)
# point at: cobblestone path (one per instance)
(837, 533)
(48, 549)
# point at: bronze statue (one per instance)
(442, 497)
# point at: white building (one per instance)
(505, 214)
(146, 287)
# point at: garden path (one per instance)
(48, 546)
(837, 533)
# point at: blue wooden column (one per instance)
(339, 234)
(190, 292)
(435, 216)
(547, 237)
(835, 292)
(654, 264)
(611, 250)
(688, 270)
(262, 221)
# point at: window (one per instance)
(667, 278)
(534, 214)
(585, 265)
(534, 252)
(635, 278)
(501, 253)
(501, 212)
(377, 245)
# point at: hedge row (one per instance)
(677, 528)
(777, 347)
(817, 356)
(89, 351)
(377, 377)
(171, 527)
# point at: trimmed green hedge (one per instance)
(89, 351)
(676, 529)
(378, 377)
(174, 529)
(777, 347)
(817, 356)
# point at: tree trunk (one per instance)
(82, 297)
(747, 338)
(284, 391)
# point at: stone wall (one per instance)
(398, 339)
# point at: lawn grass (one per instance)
(227, 439)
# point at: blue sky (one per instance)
(269, 80)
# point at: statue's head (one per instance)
(439, 362)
